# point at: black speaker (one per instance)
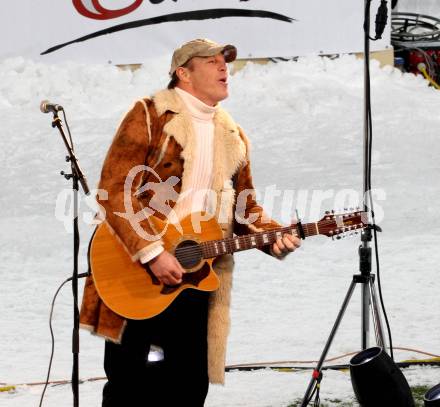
(432, 397)
(377, 381)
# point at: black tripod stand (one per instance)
(365, 278)
(369, 299)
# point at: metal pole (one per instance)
(365, 250)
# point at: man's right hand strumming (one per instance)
(166, 268)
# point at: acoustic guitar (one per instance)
(132, 291)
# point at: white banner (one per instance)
(130, 31)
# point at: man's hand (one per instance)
(166, 268)
(283, 246)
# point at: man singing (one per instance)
(183, 133)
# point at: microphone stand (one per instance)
(366, 236)
(365, 278)
(77, 178)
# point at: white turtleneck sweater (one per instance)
(194, 198)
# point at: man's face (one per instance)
(207, 79)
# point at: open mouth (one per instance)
(224, 81)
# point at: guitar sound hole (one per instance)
(188, 253)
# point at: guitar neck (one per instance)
(230, 245)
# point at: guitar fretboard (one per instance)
(214, 248)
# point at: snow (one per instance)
(305, 122)
(427, 7)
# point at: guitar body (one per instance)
(129, 289)
(133, 292)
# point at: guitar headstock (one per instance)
(334, 224)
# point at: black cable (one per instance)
(379, 285)
(52, 335)
(313, 393)
(376, 245)
(53, 340)
(367, 93)
(403, 364)
(317, 401)
(369, 167)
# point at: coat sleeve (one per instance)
(249, 216)
(120, 179)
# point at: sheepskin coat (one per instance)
(157, 132)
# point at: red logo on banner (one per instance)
(93, 9)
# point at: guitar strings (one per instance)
(208, 247)
(311, 230)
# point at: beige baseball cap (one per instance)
(201, 47)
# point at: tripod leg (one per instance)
(365, 315)
(380, 337)
(318, 367)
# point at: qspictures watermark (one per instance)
(310, 204)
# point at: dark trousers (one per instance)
(181, 379)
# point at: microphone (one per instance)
(46, 107)
(381, 19)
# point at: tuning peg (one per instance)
(338, 237)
